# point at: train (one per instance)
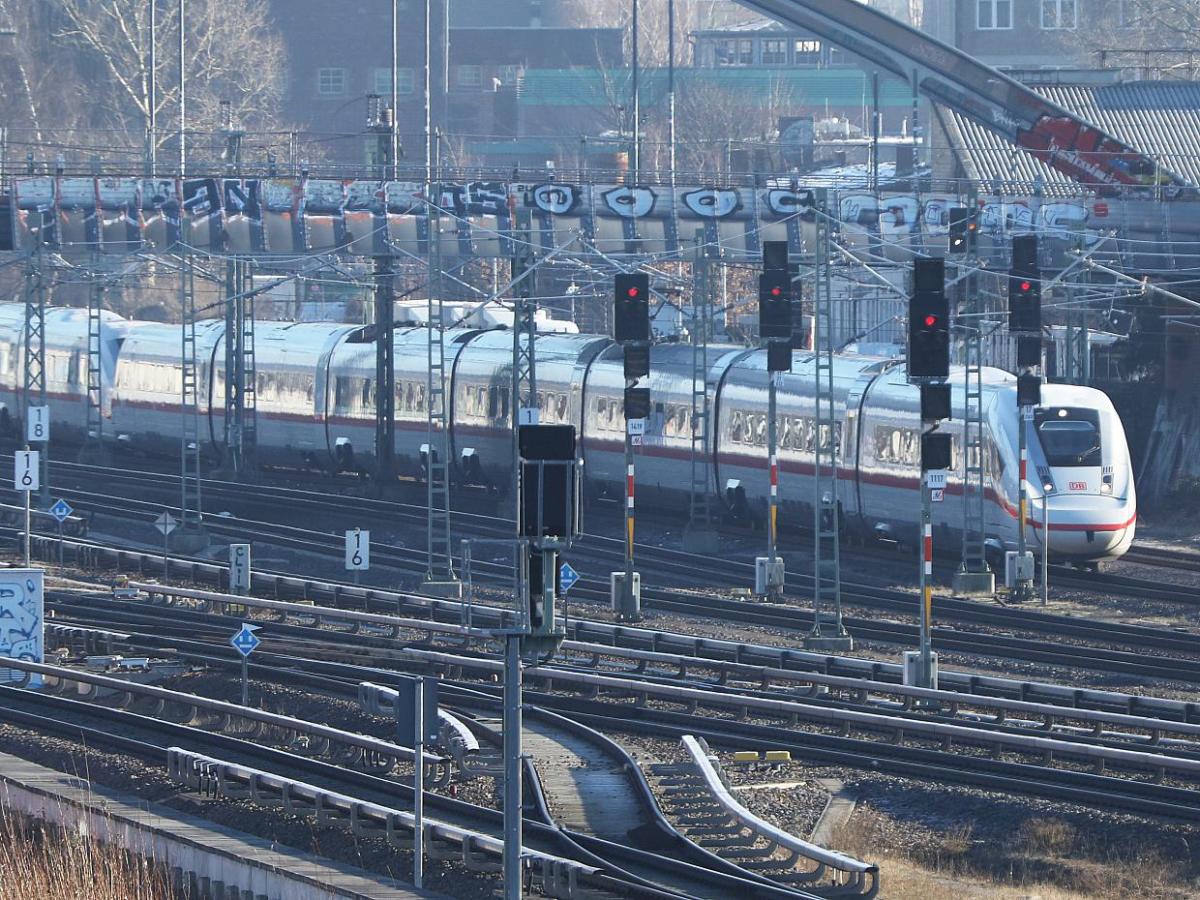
(315, 408)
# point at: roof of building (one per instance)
(1159, 118)
(840, 86)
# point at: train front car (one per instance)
(1079, 461)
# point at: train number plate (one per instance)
(1078, 485)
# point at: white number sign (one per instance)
(37, 426)
(358, 550)
(239, 567)
(27, 474)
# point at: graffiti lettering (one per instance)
(713, 203)
(630, 202)
(559, 199)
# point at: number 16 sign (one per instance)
(26, 472)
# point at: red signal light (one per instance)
(633, 292)
(930, 321)
(776, 291)
(1026, 285)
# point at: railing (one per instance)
(559, 877)
(863, 878)
(372, 752)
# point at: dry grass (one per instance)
(48, 864)
(1046, 858)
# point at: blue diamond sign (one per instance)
(61, 510)
(567, 577)
(245, 641)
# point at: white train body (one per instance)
(315, 406)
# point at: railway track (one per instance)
(969, 768)
(1174, 658)
(385, 513)
(629, 872)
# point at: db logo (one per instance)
(1078, 485)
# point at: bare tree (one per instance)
(653, 39)
(715, 118)
(232, 54)
(1162, 36)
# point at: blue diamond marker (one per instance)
(567, 577)
(61, 510)
(245, 641)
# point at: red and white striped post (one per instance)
(926, 648)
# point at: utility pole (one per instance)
(182, 88)
(524, 403)
(828, 632)
(34, 394)
(385, 373)
(671, 90)
(440, 577)
(152, 105)
(636, 156)
(700, 536)
(190, 536)
(94, 448)
(973, 575)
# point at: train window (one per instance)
(683, 417)
(368, 395)
(1070, 442)
(562, 407)
(735, 427)
(341, 391)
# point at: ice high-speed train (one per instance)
(315, 407)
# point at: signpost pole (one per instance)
(418, 782)
(512, 767)
(926, 582)
(245, 681)
(1045, 549)
(166, 554)
(27, 479)
(60, 542)
(28, 526)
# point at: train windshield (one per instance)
(1070, 438)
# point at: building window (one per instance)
(331, 82)
(734, 52)
(1058, 14)
(774, 53)
(509, 75)
(806, 52)
(993, 14)
(382, 82)
(470, 76)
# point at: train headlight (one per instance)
(1106, 487)
(1048, 488)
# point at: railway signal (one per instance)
(631, 307)
(775, 328)
(962, 227)
(631, 328)
(1025, 287)
(775, 304)
(929, 321)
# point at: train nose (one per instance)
(1086, 527)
